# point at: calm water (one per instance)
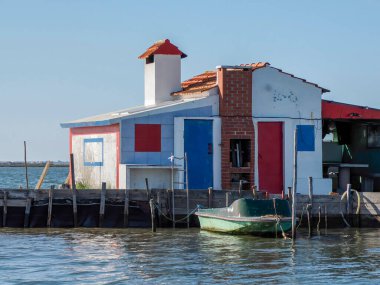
(14, 177)
(136, 256)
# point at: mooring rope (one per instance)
(357, 208)
(173, 220)
(299, 224)
(278, 220)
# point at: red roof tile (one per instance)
(343, 111)
(198, 83)
(162, 47)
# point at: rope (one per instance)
(303, 209)
(278, 220)
(176, 221)
(357, 208)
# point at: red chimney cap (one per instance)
(162, 47)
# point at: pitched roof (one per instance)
(199, 83)
(162, 47)
(343, 111)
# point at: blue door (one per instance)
(198, 147)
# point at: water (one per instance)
(181, 256)
(14, 177)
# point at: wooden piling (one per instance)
(290, 193)
(228, 199)
(319, 220)
(50, 207)
(102, 204)
(325, 219)
(5, 208)
(43, 175)
(159, 204)
(28, 205)
(349, 205)
(210, 196)
(240, 187)
(310, 207)
(148, 194)
(152, 215)
(254, 191)
(126, 207)
(26, 167)
(74, 191)
(294, 188)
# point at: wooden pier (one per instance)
(132, 208)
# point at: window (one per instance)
(149, 59)
(305, 138)
(147, 137)
(373, 136)
(240, 152)
(93, 152)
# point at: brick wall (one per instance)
(235, 107)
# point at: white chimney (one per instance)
(162, 72)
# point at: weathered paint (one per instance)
(280, 97)
(93, 174)
(198, 145)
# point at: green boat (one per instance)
(248, 216)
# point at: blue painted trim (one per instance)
(97, 163)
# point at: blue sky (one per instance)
(64, 60)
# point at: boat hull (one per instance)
(265, 227)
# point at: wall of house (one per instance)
(96, 155)
(203, 108)
(278, 97)
(235, 109)
(162, 77)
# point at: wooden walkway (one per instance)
(130, 208)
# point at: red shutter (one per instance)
(147, 138)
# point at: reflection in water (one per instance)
(135, 256)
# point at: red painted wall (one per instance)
(235, 107)
(270, 157)
(96, 131)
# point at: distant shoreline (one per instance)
(33, 164)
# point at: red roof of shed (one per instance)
(162, 47)
(337, 110)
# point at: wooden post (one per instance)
(227, 199)
(5, 208)
(310, 208)
(74, 191)
(349, 204)
(27, 209)
(290, 193)
(173, 196)
(159, 203)
(26, 167)
(254, 191)
(294, 188)
(43, 175)
(50, 206)
(325, 219)
(210, 197)
(126, 207)
(102, 204)
(240, 187)
(152, 215)
(148, 194)
(187, 192)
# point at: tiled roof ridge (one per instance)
(162, 47)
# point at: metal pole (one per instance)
(310, 208)
(294, 188)
(173, 203)
(187, 193)
(26, 167)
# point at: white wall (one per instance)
(278, 97)
(162, 77)
(93, 176)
